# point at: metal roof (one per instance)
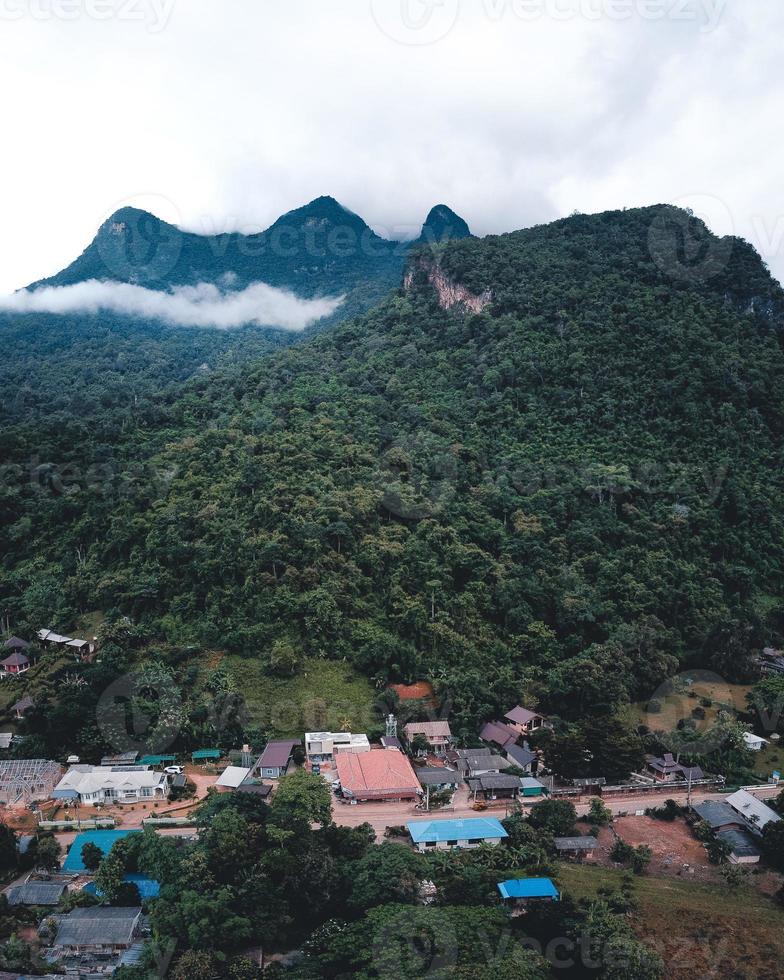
(575, 843)
(741, 843)
(36, 893)
(494, 780)
(717, 814)
(755, 811)
(472, 828)
(522, 716)
(520, 756)
(528, 888)
(104, 839)
(277, 754)
(99, 926)
(206, 754)
(433, 776)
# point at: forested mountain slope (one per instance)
(568, 493)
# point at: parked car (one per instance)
(174, 770)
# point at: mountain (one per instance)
(548, 465)
(441, 224)
(316, 250)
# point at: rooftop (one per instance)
(472, 828)
(528, 888)
(232, 776)
(16, 659)
(36, 893)
(499, 733)
(98, 926)
(755, 811)
(84, 779)
(429, 729)
(277, 754)
(521, 716)
(717, 814)
(741, 843)
(436, 775)
(103, 839)
(378, 773)
(521, 757)
(575, 843)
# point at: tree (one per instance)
(8, 851)
(558, 817)
(196, 965)
(388, 873)
(301, 798)
(109, 877)
(599, 813)
(773, 844)
(92, 856)
(48, 853)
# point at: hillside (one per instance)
(568, 493)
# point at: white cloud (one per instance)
(204, 305)
(235, 112)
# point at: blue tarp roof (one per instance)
(155, 760)
(148, 887)
(206, 754)
(104, 839)
(473, 828)
(528, 888)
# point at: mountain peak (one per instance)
(443, 223)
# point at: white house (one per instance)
(99, 784)
(757, 814)
(322, 746)
(754, 742)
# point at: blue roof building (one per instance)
(148, 887)
(526, 889)
(104, 839)
(455, 833)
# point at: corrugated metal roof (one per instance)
(36, 893)
(528, 888)
(472, 828)
(100, 926)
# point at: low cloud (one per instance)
(204, 305)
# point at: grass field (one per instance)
(769, 759)
(699, 930)
(325, 695)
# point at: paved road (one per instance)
(383, 815)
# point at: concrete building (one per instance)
(100, 784)
(448, 834)
(381, 774)
(324, 746)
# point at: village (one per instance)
(415, 786)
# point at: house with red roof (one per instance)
(380, 774)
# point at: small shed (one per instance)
(15, 643)
(532, 787)
(576, 847)
(22, 706)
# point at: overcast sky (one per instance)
(222, 115)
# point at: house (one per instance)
(524, 721)
(448, 834)
(477, 762)
(667, 769)
(323, 746)
(231, 778)
(36, 893)
(754, 742)
(532, 787)
(495, 786)
(771, 661)
(756, 813)
(522, 757)
(381, 774)
(742, 849)
(719, 816)
(437, 734)
(504, 736)
(15, 645)
(276, 757)
(438, 778)
(99, 784)
(24, 780)
(98, 929)
(15, 663)
(83, 649)
(519, 892)
(22, 706)
(576, 847)
(104, 840)
(121, 759)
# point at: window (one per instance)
(451, 843)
